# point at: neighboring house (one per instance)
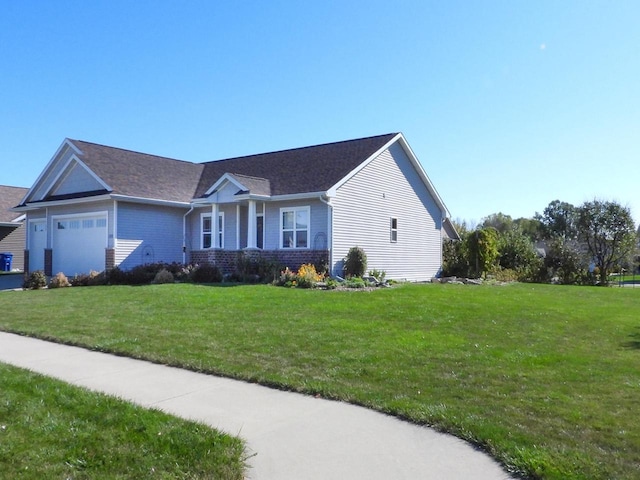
(12, 231)
(95, 207)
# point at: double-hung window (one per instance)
(394, 230)
(294, 227)
(207, 231)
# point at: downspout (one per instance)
(329, 231)
(184, 234)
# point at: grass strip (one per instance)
(49, 429)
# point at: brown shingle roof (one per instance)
(10, 197)
(139, 174)
(300, 170)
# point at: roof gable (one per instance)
(243, 184)
(75, 178)
(141, 175)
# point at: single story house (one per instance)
(12, 230)
(95, 207)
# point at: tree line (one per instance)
(563, 244)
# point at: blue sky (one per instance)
(508, 105)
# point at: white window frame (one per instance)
(295, 210)
(393, 229)
(220, 231)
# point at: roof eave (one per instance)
(150, 201)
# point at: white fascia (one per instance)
(298, 196)
(55, 203)
(149, 201)
(266, 198)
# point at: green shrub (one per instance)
(252, 269)
(59, 281)
(163, 276)
(206, 273)
(144, 274)
(89, 279)
(379, 275)
(355, 265)
(330, 283)
(286, 278)
(355, 282)
(35, 281)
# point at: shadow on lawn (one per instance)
(634, 343)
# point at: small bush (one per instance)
(163, 276)
(330, 284)
(35, 281)
(59, 281)
(252, 269)
(307, 276)
(355, 265)
(116, 276)
(287, 277)
(206, 273)
(144, 274)
(89, 279)
(184, 273)
(355, 282)
(379, 275)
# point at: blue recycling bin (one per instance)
(5, 261)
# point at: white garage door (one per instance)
(37, 244)
(79, 244)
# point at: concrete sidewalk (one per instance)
(290, 436)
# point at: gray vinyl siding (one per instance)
(77, 180)
(12, 240)
(389, 187)
(148, 234)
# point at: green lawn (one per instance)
(546, 378)
(51, 430)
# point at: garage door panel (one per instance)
(79, 244)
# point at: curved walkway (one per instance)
(289, 436)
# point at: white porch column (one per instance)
(215, 232)
(251, 228)
(237, 227)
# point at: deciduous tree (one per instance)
(608, 231)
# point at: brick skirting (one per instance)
(48, 262)
(109, 258)
(227, 260)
